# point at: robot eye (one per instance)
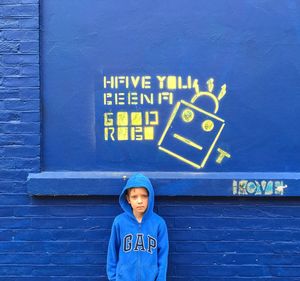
(187, 115)
(207, 125)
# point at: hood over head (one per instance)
(135, 181)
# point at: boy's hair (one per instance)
(128, 190)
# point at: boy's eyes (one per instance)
(135, 196)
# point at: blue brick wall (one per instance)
(211, 239)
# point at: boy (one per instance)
(138, 246)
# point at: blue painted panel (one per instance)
(251, 46)
(167, 183)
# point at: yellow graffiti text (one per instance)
(176, 82)
(137, 133)
(134, 98)
(123, 118)
(114, 82)
(130, 126)
(221, 155)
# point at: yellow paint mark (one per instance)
(137, 133)
(169, 122)
(207, 125)
(210, 84)
(222, 154)
(109, 133)
(113, 82)
(196, 84)
(132, 98)
(188, 83)
(151, 118)
(167, 96)
(108, 121)
(187, 115)
(171, 82)
(210, 95)
(202, 111)
(105, 97)
(147, 98)
(212, 146)
(180, 157)
(122, 118)
(120, 99)
(187, 141)
(222, 92)
(136, 118)
(161, 80)
(148, 133)
(122, 133)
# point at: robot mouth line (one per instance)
(187, 141)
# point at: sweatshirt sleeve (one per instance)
(113, 252)
(163, 251)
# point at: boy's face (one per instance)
(138, 199)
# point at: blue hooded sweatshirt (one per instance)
(138, 251)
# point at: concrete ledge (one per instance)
(83, 183)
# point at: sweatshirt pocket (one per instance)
(131, 272)
(126, 272)
(149, 273)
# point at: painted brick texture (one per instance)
(211, 239)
